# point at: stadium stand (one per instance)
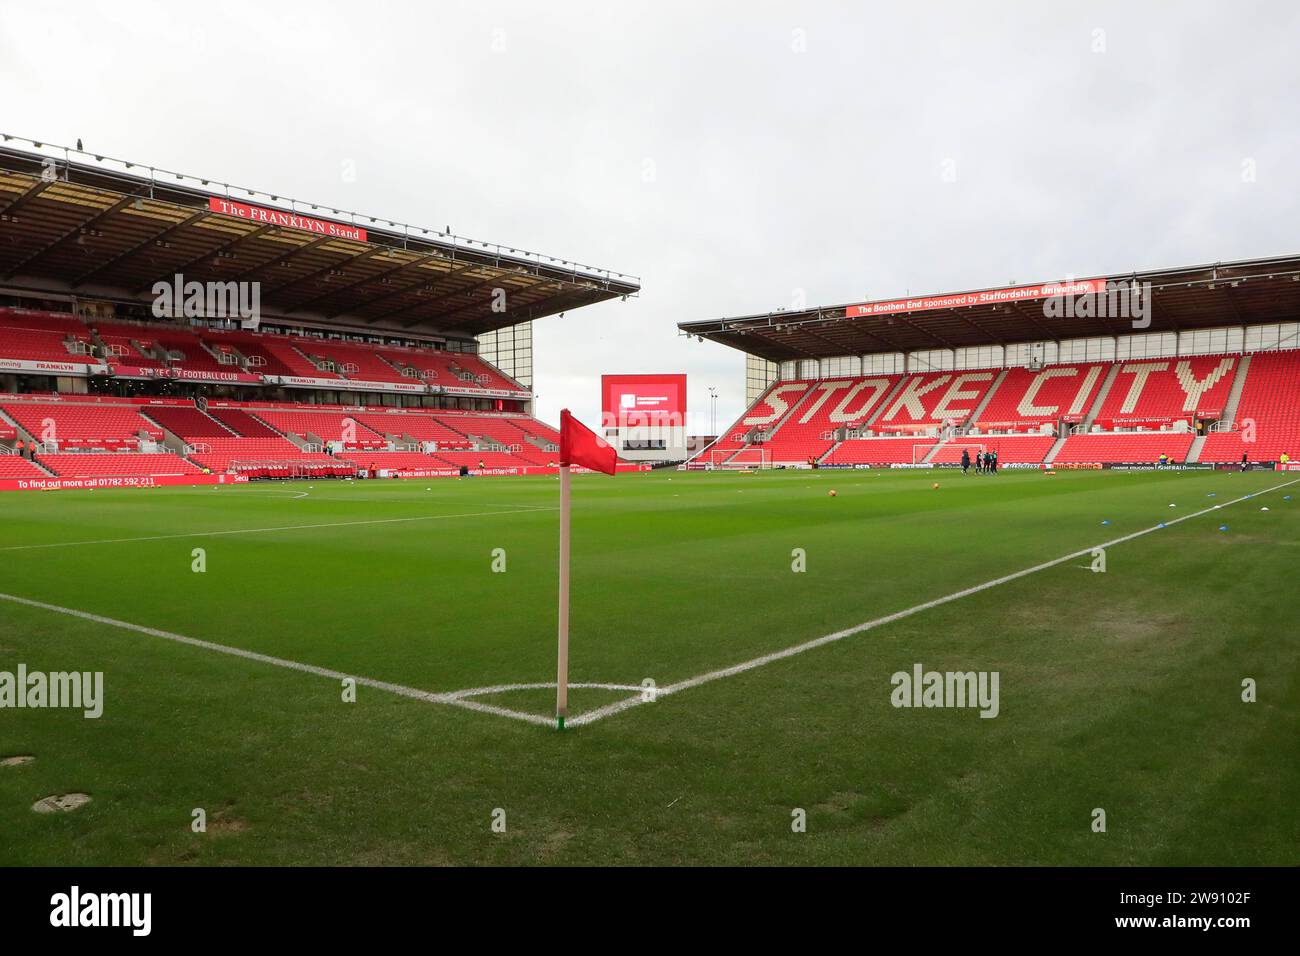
(14, 466)
(323, 426)
(1011, 449)
(404, 425)
(357, 362)
(1117, 447)
(43, 337)
(1033, 397)
(32, 335)
(1270, 400)
(770, 408)
(187, 422)
(934, 398)
(880, 451)
(70, 425)
(117, 465)
(253, 353)
(532, 426)
(1154, 392)
(830, 404)
(242, 423)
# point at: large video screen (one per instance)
(631, 401)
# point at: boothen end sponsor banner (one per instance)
(630, 401)
(280, 217)
(983, 297)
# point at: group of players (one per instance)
(986, 462)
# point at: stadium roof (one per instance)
(1225, 293)
(79, 223)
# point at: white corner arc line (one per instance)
(288, 527)
(609, 710)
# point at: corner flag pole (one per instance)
(562, 663)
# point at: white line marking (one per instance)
(609, 710)
(414, 693)
(290, 527)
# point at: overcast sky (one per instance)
(735, 156)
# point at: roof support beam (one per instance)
(36, 188)
(139, 247)
(325, 270)
(68, 236)
(228, 244)
(468, 290)
(270, 263)
(1015, 307)
(407, 290)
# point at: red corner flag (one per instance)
(579, 445)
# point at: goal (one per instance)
(729, 458)
(950, 451)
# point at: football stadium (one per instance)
(310, 557)
(283, 547)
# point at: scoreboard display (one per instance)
(643, 401)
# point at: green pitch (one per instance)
(1119, 690)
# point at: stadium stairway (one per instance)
(1238, 386)
(1102, 394)
(885, 402)
(978, 411)
(929, 455)
(16, 466)
(7, 419)
(1055, 449)
(288, 436)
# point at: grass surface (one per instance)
(1119, 690)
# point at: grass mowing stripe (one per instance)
(609, 710)
(291, 527)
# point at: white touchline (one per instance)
(289, 527)
(609, 710)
